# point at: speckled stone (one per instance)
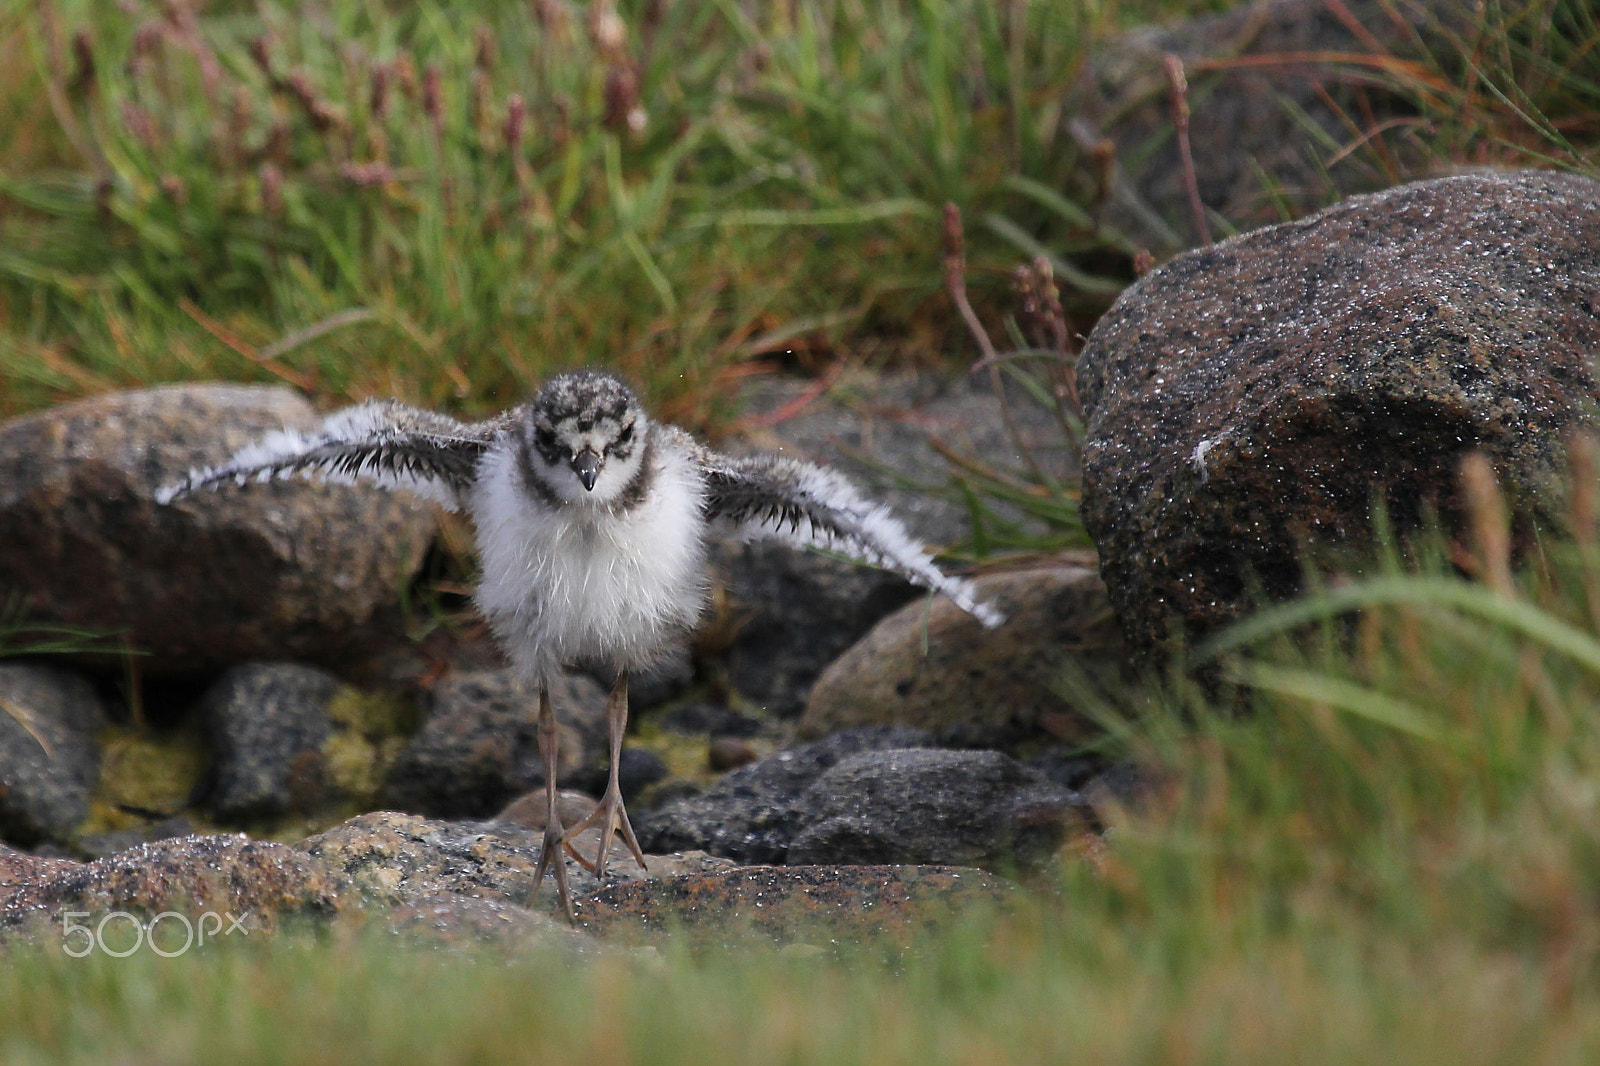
(455, 922)
(398, 860)
(289, 569)
(931, 665)
(268, 723)
(49, 751)
(263, 885)
(1249, 398)
(20, 868)
(393, 858)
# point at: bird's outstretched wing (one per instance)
(389, 444)
(812, 506)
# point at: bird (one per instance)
(591, 521)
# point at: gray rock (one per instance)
(658, 683)
(479, 747)
(1259, 131)
(932, 665)
(268, 723)
(1245, 401)
(933, 806)
(289, 569)
(750, 815)
(454, 922)
(708, 718)
(640, 769)
(49, 751)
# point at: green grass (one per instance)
(446, 201)
(1022, 993)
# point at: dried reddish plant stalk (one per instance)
(1180, 124)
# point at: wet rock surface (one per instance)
(264, 886)
(479, 747)
(286, 570)
(933, 666)
(268, 723)
(1245, 401)
(49, 751)
(21, 868)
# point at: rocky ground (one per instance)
(741, 760)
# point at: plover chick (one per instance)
(591, 522)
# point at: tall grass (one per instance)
(445, 201)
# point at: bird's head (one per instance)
(585, 437)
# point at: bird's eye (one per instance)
(625, 434)
(545, 438)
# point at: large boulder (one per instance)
(282, 570)
(1251, 399)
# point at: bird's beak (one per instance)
(586, 464)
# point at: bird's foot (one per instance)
(552, 859)
(612, 817)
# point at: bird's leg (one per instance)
(610, 813)
(550, 857)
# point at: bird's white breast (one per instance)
(571, 582)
